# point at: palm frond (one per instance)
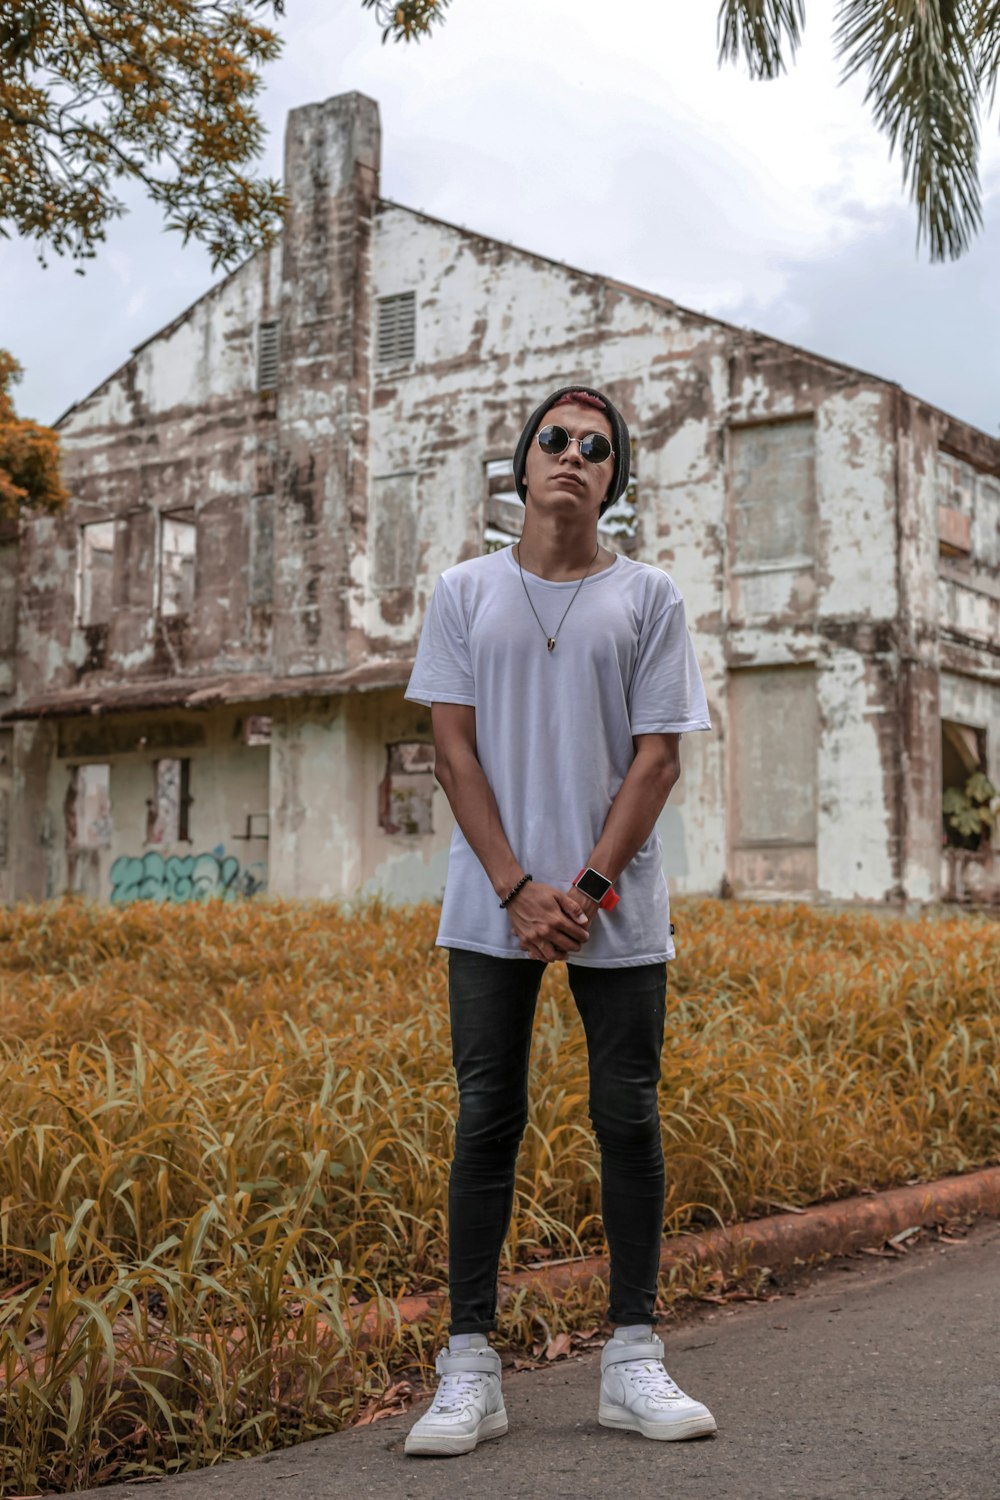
(921, 60)
(759, 29)
(986, 40)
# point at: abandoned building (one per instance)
(204, 656)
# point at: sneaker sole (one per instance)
(450, 1445)
(627, 1421)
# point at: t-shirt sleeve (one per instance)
(667, 695)
(442, 672)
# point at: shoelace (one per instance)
(650, 1377)
(455, 1391)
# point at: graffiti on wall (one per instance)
(182, 877)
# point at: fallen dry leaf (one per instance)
(395, 1399)
(587, 1336)
(558, 1346)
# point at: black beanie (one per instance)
(619, 440)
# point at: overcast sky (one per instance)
(607, 137)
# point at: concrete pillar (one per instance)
(37, 841)
(331, 179)
(919, 708)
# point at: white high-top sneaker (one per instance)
(638, 1395)
(467, 1408)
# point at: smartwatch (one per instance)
(598, 887)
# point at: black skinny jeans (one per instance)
(492, 1003)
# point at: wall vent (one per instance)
(397, 328)
(267, 357)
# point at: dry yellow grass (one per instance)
(224, 1128)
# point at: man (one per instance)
(560, 676)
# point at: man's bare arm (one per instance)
(463, 781)
(638, 803)
(548, 922)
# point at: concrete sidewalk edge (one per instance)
(778, 1242)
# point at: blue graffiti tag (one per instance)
(180, 877)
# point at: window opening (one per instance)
(88, 809)
(406, 795)
(267, 356)
(257, 729)
(95, 567)
(504, 511)
(257, 827)
(969, 801)
(397, 328)
(167, 811)
(621, 520)
(177, 559)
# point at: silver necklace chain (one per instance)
(550, 640)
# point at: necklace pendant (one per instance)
(551, 643)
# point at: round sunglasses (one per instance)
(594, 447)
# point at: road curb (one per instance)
(779, 1242)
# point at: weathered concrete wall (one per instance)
(228, 786)
(328, 762)
(794, 501)
(495, 329)
(949, 626)
(796, 581)
(180, 426)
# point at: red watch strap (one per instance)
(609, 900)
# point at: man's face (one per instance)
(566, 483)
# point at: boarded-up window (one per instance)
(968, 515)
(397, 328)
(393, 531)
(88, 808)
(167, 811)
(95, 572)
(772, 492)
(773, 750)
(406, 796)
(261, 549)
(267, 356)
(772, 519)
(177, 560)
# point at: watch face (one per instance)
(593, 885)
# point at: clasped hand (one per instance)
(548, 922)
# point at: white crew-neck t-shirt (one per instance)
(554, 732)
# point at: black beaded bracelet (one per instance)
(511, 894)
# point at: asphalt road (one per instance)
(872, 1378)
